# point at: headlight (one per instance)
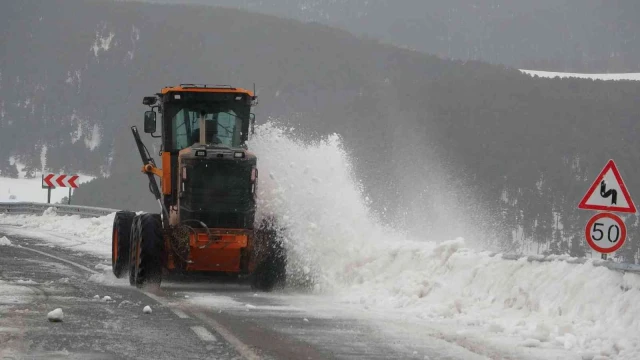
(238, 154)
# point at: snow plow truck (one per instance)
(207, 194)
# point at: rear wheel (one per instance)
(146, 251)
(270, 273)
(120, 242)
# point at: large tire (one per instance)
(270, 273)
(120, 242)
(146, 250)
(133, 248)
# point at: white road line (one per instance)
(204, 334)
(238, 345)
(181, 314)
(61, 259)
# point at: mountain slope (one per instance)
(554, 35)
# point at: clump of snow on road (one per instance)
(25, 282)
(55, 315)
(147, 309)
(336, 246)
(91, 235)
(4, 241)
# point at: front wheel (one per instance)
(120, 242)
(270, 273)
(146, 250)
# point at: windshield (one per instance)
(222, 128)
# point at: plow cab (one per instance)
(207, 193)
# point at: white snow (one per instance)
(25, 282)
(107, 298)
(101, 42)
(92, 140)
(4, 241)
(550, 74)
(147, 309)
(55, 315)
(30, 190)
(90, 235)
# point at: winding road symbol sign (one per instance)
(608, 192)
(606, 233)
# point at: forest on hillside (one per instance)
(516, 152)
(594, 36)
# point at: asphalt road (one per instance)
(197, 319)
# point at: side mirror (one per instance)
(150, 122)
(252, 119)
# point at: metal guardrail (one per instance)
(39, 208)
(88, 211)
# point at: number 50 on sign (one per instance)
(606, 233)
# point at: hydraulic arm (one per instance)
(149, 168)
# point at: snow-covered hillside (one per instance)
(550, 74)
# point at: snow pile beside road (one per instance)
(91, 235)
(336, 244)
(578, 307)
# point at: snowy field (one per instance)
(439, 286)
(549, 74)
(31, 190)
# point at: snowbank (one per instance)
(91, 235)
(549, 74)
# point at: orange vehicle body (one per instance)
(224, 254)
(207, 193)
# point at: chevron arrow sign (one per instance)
(59, 180)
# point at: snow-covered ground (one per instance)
(31, 190)
(355, 264)
(550, 74)
(90, 235)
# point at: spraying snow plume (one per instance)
(311, 190)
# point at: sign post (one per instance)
(50, 181)
(605, 232)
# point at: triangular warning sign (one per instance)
(608, 192)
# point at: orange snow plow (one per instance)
(207, 193)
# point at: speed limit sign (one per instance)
(606, 233)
